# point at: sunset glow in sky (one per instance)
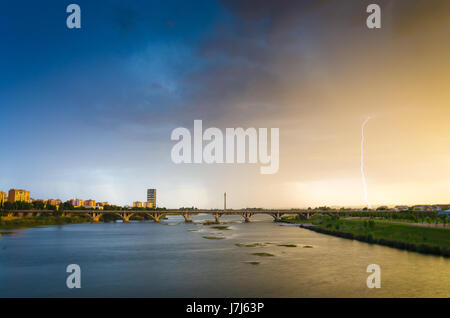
(88, 113)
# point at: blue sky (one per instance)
(65, 92)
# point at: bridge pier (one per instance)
(247, 216)
(31, 214)
(217, 217)
(186, 217)
(10, 214)
(95, 216)
(277, 216)
(156, 216)
(125, 216)
(306, 215)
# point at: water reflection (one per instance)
(144, 259)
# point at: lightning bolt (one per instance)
(363, 176)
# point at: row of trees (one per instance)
(413, 216)
(409, 216)
(39, 205)
(35, 205)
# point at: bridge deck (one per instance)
(158, 214)
(173, 211)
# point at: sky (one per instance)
(88, 113)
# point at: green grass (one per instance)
(297, 219)
(40, 221)
(294, 219)
(209, 222)
(263, 254)
(213, 237)
(250, 245)
(220, 227)
(410, 237)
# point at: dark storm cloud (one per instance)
(287, 12)
(243, 68)
(125, 18)
(264, 36)
(247, 56)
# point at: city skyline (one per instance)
(89, 112)
(25, 196)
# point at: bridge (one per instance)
(157, 215)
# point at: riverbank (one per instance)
(20, 223)
(424, 240)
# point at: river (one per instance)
(174, 259)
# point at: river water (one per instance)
(174, 259)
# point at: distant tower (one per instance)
(225, 201)
(151, 197)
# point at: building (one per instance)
(402, 208)
(76, 203)
(89, 203)
(151, 197)
(422, 208)
(441, 207)
(137, 204)
(15, 195)
(3, 198)
(148, 205)
(54, 202)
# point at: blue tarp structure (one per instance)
(444, 212)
